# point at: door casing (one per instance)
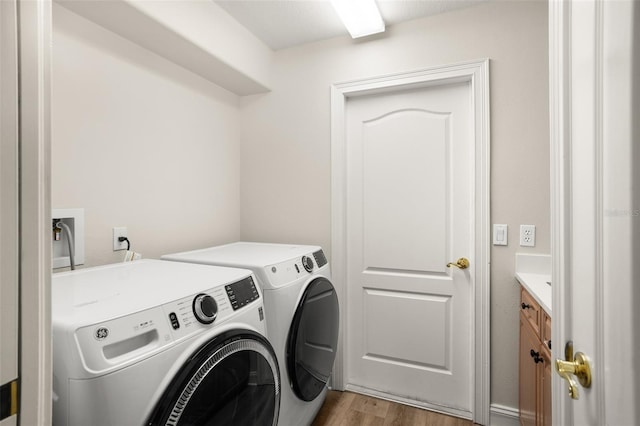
(477, 73)
(34, 28)
(9, 208)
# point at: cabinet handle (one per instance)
(536, 356)
(526, 306)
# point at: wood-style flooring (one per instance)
(352, 409)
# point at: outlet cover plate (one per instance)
(527, 235)
(119, 231)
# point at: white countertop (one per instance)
(533, 271)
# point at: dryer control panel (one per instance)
(283, 273)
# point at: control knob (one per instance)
(205, 308)
(307, 263)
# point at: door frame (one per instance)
(610, 262)
(9, 208)
(476, 73)
(34, 28)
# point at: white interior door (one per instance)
(410, 174)
(596, 210)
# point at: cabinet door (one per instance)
(528, 373)
(545, 385)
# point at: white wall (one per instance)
(285, 190)
(143, 143)
(140, 142)
(193, 34)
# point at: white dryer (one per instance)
(301, 307)
(151, 342)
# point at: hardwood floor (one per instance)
(351, 409)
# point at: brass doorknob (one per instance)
(578, 367)
(462, 263)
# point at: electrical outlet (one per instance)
(117, 233)
(527, 235)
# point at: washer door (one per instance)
(231, 380)
(313, 339)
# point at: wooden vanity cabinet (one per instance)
(535, 363)
(545, 386)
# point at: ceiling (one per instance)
(286, 23)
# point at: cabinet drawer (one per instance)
(531, 310)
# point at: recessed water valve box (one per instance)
(74, 219)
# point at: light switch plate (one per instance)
(500, 234)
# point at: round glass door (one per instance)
(232, 380)
(313, 339)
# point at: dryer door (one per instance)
(232, 380)
(313, 339)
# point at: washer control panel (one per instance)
(205, 308)
(111, 344)
(191, 313)
(241, 293)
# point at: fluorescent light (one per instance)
(361, 17)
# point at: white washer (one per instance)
(301, 306)
(151, 342)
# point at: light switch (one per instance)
(500, 234)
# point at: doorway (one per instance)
(417, 331)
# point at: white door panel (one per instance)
(410, 212)
(429, 346)
(399, 210)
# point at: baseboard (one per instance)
(501, 415)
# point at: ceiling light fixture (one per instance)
(361, 17)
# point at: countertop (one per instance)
(533, 271)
